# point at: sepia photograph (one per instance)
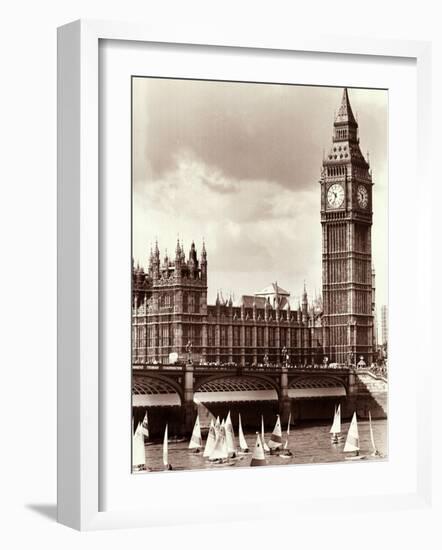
(259, 274)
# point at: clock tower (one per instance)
(346, 219)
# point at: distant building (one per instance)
(170, 309)
(384, 324)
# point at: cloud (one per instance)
(238, 165)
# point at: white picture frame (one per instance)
(79, 292)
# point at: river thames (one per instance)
(310, 444)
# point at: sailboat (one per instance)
(275, 442)
(211, 438)
(264, 444)
(287, 453)
(335, 430)
(258, 456)
(230, 437)
(352, 441)
(373, 444)
(242, 440)
(219, 453)
(166, 463)
(138, 451)
(145, 426)
(196, 441)
(217, 425)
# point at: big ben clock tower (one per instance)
(346, 219)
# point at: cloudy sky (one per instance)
(238, 165)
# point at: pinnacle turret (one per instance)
(345, 114)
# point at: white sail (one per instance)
(138, 452)
(373, 444)
(258, 457)
(217, 425)
(230, 435)
(286, 444)
(145, 426)
(196, 441)
(276, 438)
(264, 444)
(211, 438)
(225, 449)
(242, 440)
(336, 426)
(352, 441)
(166, 448)
(219, 451)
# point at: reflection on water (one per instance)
(309, 444)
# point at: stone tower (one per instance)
(346, 219)
(170, 306)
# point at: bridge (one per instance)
(306, 392)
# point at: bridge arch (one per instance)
(309, 386)
(236, 388)
(155, 391)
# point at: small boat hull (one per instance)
(359, 457)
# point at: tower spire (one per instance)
(345, 114)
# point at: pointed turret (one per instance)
(304, 305)
(193, 262)
(345, 147)
(156, 261)
(345, 114)
(150, 261)
(166, 262)
(204, 261)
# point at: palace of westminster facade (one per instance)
(169, 300)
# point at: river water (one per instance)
(308, 443)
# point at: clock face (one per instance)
(335, 195)
(362, 196)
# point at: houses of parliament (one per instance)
(169, 299)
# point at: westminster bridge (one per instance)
(177, 392)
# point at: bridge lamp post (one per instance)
(285, 355)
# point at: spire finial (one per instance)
(345, 113)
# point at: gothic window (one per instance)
(271, 337)
(164, 336)
(211, 335)
(236, 336)
(223, 336)
(248, 336)
(196, 335)
(260, 336)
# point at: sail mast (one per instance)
(211, 439)
(373, 444)
(196, 441)
(264, 444)
(138, 451)
(166, 447)
(242, 440)
(276, 438)
(352, 441)
(258, 457)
